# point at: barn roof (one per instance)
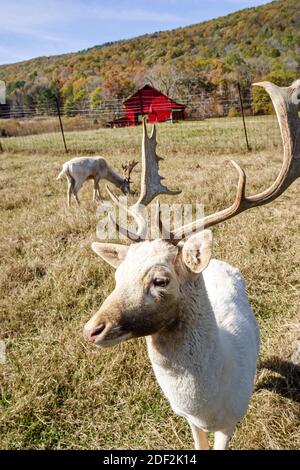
(147, 90)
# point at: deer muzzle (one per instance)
(95, 333)
(105, 334)
(105, 327)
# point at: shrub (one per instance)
(261, 100)
(233, 112)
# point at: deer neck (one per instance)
(114, 178)
(194, 335)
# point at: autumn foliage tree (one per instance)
(211, 57)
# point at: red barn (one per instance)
(152, 103)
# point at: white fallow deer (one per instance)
(80, 169)
(201, 334)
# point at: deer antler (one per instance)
(151, 187)
(286, 101)
(127, 168)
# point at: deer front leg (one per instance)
(97, 194)
(222, 439)
(94, 194)
(69, 193)
(200, 438)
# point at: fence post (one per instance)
(243, 115)
(61, 124)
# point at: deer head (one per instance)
(127, 168)
(150, 274)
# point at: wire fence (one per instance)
(54, 128)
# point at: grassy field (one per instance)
(214, 137)
(57, 392)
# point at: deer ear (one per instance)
(196, 252)
(112, 253)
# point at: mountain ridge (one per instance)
(248, 45)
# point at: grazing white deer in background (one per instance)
(80, 169)
(201, 334)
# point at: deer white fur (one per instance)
(80, 169)
(201, 334)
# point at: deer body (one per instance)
(201, 334)
(80, 169)
(206, 364)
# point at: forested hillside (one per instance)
(252, 44)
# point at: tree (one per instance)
(261, 101)
(46, 99)
(118, 85)
(165, 78)
(96, 97)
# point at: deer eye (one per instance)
(161, 281)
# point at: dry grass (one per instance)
(211, 137)
(57, 391)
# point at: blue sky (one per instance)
(32, 28)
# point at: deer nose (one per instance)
(90, 334)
